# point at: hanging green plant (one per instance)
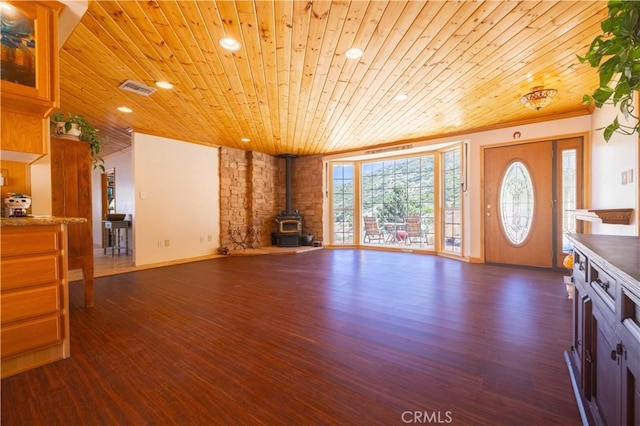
(616, 54)
(78, 126)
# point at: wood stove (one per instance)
(289, 229)
(289, 222)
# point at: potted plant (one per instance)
(568, 280)
(616, 54)
(77, 126)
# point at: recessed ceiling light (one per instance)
(229, 43)
(124, 109)
(353, 53)
(164, 84)
(401, 97)
(245, 140)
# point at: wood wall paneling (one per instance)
(290, 88)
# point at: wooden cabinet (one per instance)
(29, 87)
(629, 332)
(34, 297)
(29, 58)
(25, 134)
(605, 394)
(605, 351)
(71, 170)
(582, 335)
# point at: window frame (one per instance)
(355, 211)
(438, 247)
(441, 246)
(567, 144)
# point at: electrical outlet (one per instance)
(624, 178)
(202, 239)
(630, 175)
(209, 238)
(159, 244)
(166, 243)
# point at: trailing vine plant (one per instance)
(88, 134)
(616, 54)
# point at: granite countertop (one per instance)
(40, 220)
(621, 252)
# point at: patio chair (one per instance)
(414, 228)
(372, 231)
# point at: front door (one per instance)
(518, 204)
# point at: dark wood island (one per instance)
(604, 359)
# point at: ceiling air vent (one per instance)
(135, 87)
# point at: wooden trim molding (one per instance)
(612, 216)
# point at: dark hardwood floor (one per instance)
(342, 337)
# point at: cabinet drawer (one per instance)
(31, 335)
(631, 312)
(27, 271)
(15, 244)
(604, 285)
(579, 266)
(33, 302)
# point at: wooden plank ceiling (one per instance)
(290, 88)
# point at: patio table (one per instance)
(393, 228)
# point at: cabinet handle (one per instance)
(581, 266)
(603, 285)
(587, 356)
(619, 350)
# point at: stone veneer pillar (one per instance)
(307, 193)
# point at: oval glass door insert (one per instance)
(516, 202)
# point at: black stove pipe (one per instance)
(287, 159)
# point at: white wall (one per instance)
(609, 161)
(122, 163)
(176, 200)
(41, 195)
